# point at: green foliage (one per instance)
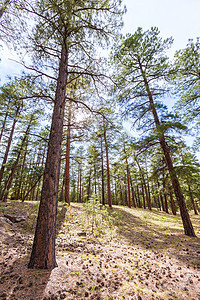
(100, 219)
(186, 80)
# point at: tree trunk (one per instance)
(8, 145)
(67, 156)
(144, 184)
(133, 193)
(188, 228)
(128, 180)
(192, 200)
(21, 174)
(9, 182)
(102, 175)
(143, 196)
(165, 196)
(139, 201)
(108, 168)
(4, 121)
(43, 250)
(172, 203)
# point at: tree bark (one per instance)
(8, 145)
(187, 224)
(172, 203)
(128, 180)
(67, 156)
(192, 200)
(102, 175)
(108, 167)
(43, 250)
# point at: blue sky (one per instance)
(177, 18)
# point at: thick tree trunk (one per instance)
(188, 228)
(43, 250)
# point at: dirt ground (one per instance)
(119, 254)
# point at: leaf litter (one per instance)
(115, 254)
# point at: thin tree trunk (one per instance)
(128, 180)
(172, 203)
(144, 184)
(8, 145)
(165, 196)
(133, 193)
(4, 121)
(21, 174)
(192, 199)
(102, 175)
(89, 185)
(143, 196)
(108, 168)
(187, 224)
(9, 183)
(67, 156)
(139, 202)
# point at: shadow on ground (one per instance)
(16, 280)
(144, 233)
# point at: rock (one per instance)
(15, 219)
(5, 220)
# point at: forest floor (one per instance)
(101, 254)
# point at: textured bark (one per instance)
(188, 228)
(43, 250)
